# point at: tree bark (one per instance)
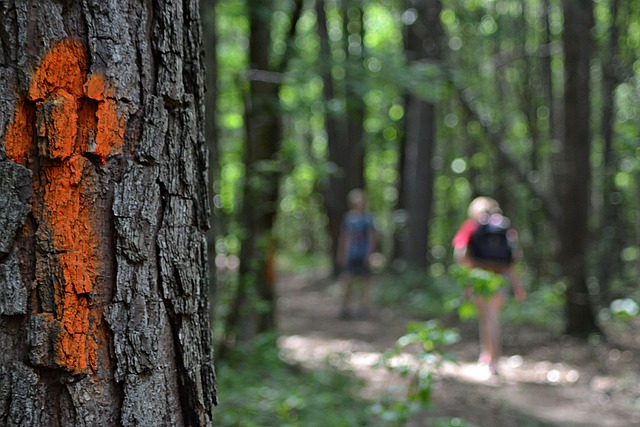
(355, 82)
(423, 40)
(263, 125)
(211, 134)
(573, 176)
(103, 257)
(611, 231)
(344, 126)
(260, 198)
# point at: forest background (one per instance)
(428, 105)
(425, 104)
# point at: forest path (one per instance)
(545, 380)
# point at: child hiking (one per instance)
(357, 240)
(486, 241)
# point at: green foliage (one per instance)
(257, 388)
(301, 222)
(418, 293)
(301, 262)
(621, 316)
(474, 281)
(544, 307)
(429, 338)
(625, 308)
(622, 310)
(482, 282)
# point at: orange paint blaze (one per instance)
(110, 132)
(75, 115)
(63, 68)
(57, 126)
(19, 135)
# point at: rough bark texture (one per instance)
(103, 214)
(208, 13)
(15, 192)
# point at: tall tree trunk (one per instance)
(423, 43)
(261, 189)
(337, 188)
(333, 204)
(530, 101)
(610, 218)
(211, 134)
(573, 177)
(260, 195)
(400, 210)
(103, 175)
(547, 74)
(353, 16)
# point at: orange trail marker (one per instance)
(66, 116)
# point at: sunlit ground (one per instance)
(550, 390)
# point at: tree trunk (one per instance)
(337, 188)
(422, 43)
(573, 168)
(355, 82)
(611, 231)
(103, 175)
(260, 197)
(263, 124)
(547, 74)
(211, 135)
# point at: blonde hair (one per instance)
(356, 196)
(483, 206)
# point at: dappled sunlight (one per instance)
(318, 352)
(551, 390)
(542, 376)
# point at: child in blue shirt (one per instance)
(358, 238)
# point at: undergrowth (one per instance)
(257, 388)
(426, 297)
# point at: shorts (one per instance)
(358, 267)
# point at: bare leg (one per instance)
(489, 322)
(481, 306)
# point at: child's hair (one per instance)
(483, 205)
(356, 196)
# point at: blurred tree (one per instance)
(573, 172)
(260, 198)
(423, 43)
(611, 215)
(343, 92)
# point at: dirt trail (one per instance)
(545, 380)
